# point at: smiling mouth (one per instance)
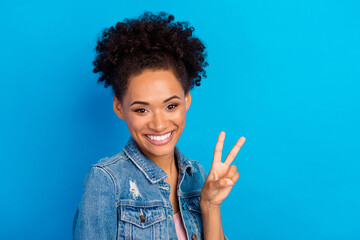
(159, 139)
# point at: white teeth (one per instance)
(159, 138)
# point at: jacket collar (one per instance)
(150, 169)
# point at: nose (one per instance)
(158, 122)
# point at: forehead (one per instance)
(153, 85)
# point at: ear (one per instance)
(187, 100)
(118, 108)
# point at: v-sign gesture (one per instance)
(222, 175)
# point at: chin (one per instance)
(160, 151)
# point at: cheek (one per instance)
(180, 117)
(135, 123)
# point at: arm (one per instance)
(96, 217)
(217, 186)
(212, 222)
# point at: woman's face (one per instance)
(154, 108)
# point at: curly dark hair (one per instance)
(153, 42)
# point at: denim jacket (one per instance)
(126, 197)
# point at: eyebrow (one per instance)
(146, 103)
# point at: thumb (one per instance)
(222, 183)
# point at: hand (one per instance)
(222, 176)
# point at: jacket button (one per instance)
(142, 218)
(193, 237)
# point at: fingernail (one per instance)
(229, 183)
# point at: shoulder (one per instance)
(195, 163)
(113, 160)
(193, 167)
(108, 171)
(197, 168)
(115, 164)
(194, 179)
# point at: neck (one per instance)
(166, 163)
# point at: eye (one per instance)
(171, 106)
(140, 110)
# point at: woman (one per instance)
(150, 190)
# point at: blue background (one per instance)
(284, 74)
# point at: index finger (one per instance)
(234, 151)
(219, 147)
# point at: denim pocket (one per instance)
(193, 203)
(193, 206)
(142, 222)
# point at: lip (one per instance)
(160, 142)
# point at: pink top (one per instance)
(179, 225)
